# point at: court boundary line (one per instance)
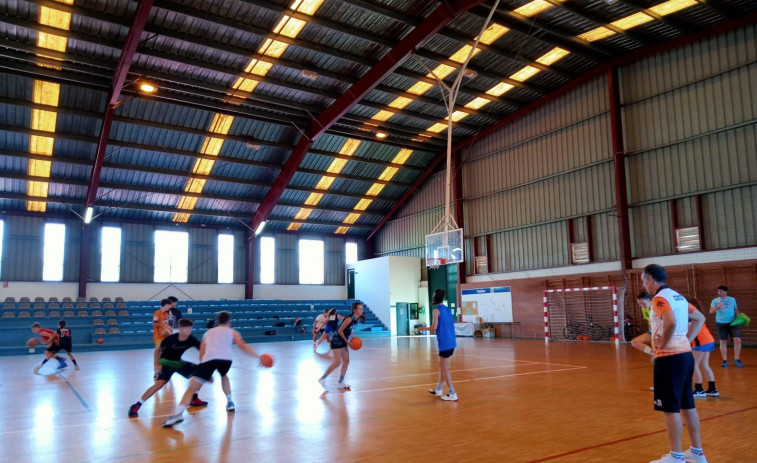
(73, 389)
(638, 436)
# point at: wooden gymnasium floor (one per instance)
(520, 401)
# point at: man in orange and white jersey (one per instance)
(674, 364)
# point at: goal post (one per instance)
(576, 314)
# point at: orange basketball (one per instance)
(584, 338)
(33, 342)
(612, 338)
(356, 343)
(266, 360)
(100, 340)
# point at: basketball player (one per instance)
(674, 364)
(171, 348)
(48, 337)
(161, 325)
(445, 338)
(318, 324)
(701, 348)
(339, 343)
(215, 355)
(643, 342)
(332, 323)
(64, 342)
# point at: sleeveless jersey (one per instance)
(218, 343)
(445, 329)
(666, 299)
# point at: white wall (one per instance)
(298, 292)
(372, 286)
(384, 281)
(157, 291)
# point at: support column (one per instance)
(249, 264)
(619, 161)
(457, 197)
(84, 260)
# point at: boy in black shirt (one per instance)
(171, 348)
(64, 342)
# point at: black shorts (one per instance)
(672, 383)
(55, 348)
(205, 370)
(167, 372)
(445, 354)
(724, 329)
(337, 342)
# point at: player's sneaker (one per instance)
(197, 402)
(36, 369)
(698, 394)
(322, 382)
(668, 458)
(436, 392)
(63, 365)
(712, 392)
(738, 363)
(76, 367)
(344, 386)
(450, 397)
(134, 409)
(651, 388)
(230, 407)
(691, 457)
(724, 364)
(173, 420)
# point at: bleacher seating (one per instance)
(129, 324)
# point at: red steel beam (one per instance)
(122, 70)
(591, 74)
(440, 17)
(619, 166)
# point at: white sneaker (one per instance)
(172, 420)
(692, 458)
(344, 386)
(651, 388)
(437, 392)
(76, 367)
(450, 397)
(667, 458)
(322, 382)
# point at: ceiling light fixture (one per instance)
(381, 134)
(147, 87)
(308, 74)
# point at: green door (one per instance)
(351, 283)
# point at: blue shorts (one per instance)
(327, 329)
(709, 347)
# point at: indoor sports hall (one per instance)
(378, 230)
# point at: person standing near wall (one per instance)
(725, 309)
(175, 314)
(444, 326)
(674, 364)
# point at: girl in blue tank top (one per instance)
(339, 344)
(444, 326)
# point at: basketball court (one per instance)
(520, 401)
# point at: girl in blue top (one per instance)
(340, 343)
(445, 337)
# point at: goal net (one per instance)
(594, 314)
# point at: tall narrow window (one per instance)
(311, 262)
(267, 259)
(350, 250)
(55, 241)
(110, 254)
(171, 256)
(226, 258)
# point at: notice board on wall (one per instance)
(493, 304)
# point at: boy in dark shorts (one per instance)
(64, 342)
(171, 349)
(50, 338)
(215, 355)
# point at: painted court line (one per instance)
(630, 438)
(76, 393)
(463, 380)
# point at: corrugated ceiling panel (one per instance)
(734, 207)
